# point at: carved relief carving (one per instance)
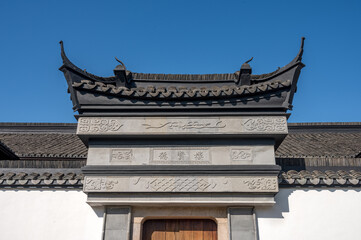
(180, 125)
(179, 184)
(121, 155)
(261, 184)
(97, 125)
(99, 184)
(180, 156)
(241, 155)
(265, 125)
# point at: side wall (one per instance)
(48, 214)
(298, 214)
(312, 214)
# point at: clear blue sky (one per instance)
(179, 37)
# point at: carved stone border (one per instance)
(181, 184)
(181, 125)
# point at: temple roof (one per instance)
(131, 93)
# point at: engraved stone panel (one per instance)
(99, 184)
(241, 155)
(181, 184)
(261, 184)
(180, 156)
(121, 155)
(265, 124)
(98, 125)
(181, 125)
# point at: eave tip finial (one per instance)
(249, 60)
(62, 47)
(119, 61)
(302, 42)
(298, 58)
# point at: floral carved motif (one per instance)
(265, 125)
(99, 184)
(96, 125)
(241, 155)
(122, 155)
(261, 184)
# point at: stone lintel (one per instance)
(180, 199)
(172, 170)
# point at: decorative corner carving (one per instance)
(261, 184)
(121, 155)
(265, 124)
(241, 155)
(97, 125)
(99, 184)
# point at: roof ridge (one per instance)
(325, 124)
(35, 124)
(32, 127)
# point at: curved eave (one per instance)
(296, 61)
(67, 64)
(183, 94)
(88, 76)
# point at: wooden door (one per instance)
(179, 229)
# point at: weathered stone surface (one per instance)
(180, 199)
(186, 155)
(181, 125)
(117, 223)
(241, 224)
(162, 184)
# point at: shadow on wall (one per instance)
(99, 211)
(281, 206)
(282, 202)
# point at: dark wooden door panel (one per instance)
(179, 229)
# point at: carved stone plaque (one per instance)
(241, 155)
(180, 156)
(98, 125)
(121, 155)
(265, 124)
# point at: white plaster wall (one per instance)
(312, 214)
(47, 214)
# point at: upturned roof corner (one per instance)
(129, 93)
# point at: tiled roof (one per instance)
(305, 140)
(308, 146)
(42, 140)
(33, 178)
(37, 178)
(320, 178)
(320, 144)
(47, 151)
(6, 152)
(181, 92)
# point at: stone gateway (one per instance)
(158, 143)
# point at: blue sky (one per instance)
(179, 37)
